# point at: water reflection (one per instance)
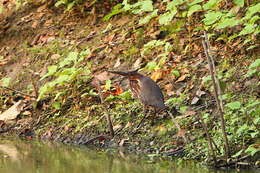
(18, 156)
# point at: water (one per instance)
(33, 156)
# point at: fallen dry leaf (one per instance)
(122, 142)
(158, 74)
(117, 64)
(137, 63)
(195, 100)
(182, 78)
(116, 127)
(13, 111)
(108, 39)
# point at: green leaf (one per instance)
(125, 95)
(147, 18)
(108, 84)
(72, 57)
(248, 29)
(5, 81)
(167, 17)
(211, 4)
(176, 73)
(255, 64)
(57, 105)
(51, 71)
(114, 12)
(193, 9)
(147, 5)
(211, 17)
(171, 100)
(237, 154)
(60, 2)
(183, 109)
(172, 5)
(205, 79)
(252, 10)
(227, 22)
(239, 2)
(195, 2)
(242, 129)
(252, 149)
(70, 5)
(234, 105)
(150, 66)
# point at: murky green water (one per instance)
(31, 156)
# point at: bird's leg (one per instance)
(178, 126)
(153, 116)
(144, 109)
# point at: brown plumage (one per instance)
(149, 93)
(145, 89)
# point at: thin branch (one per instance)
(216, 94)
(209, 139)
(17, 91)
(214, 71)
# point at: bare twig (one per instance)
(216, 94)
(17, 91)
(109, 123)
(209, 139)
(214, 71)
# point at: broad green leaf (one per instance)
(234, 105)
(114, 12)
(147, 18)
(211, 4)
(227, 22)
(248, 29)
(1, 9)
(172, 5)
(147, 5)
(51, 71)
(193, 9)
(167, 17)
(242, 129)
(195, 2)
(255, 64)
(72, 57)
(252, 149)
(239, 2)
(252, 10)
(211, 17)
(205, 79)
(150, 66)
(238, 154)
(125, 95)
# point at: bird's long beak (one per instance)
(119, 72)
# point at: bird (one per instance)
(149, 94)
(146, 90)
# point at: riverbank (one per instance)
(49, 60)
